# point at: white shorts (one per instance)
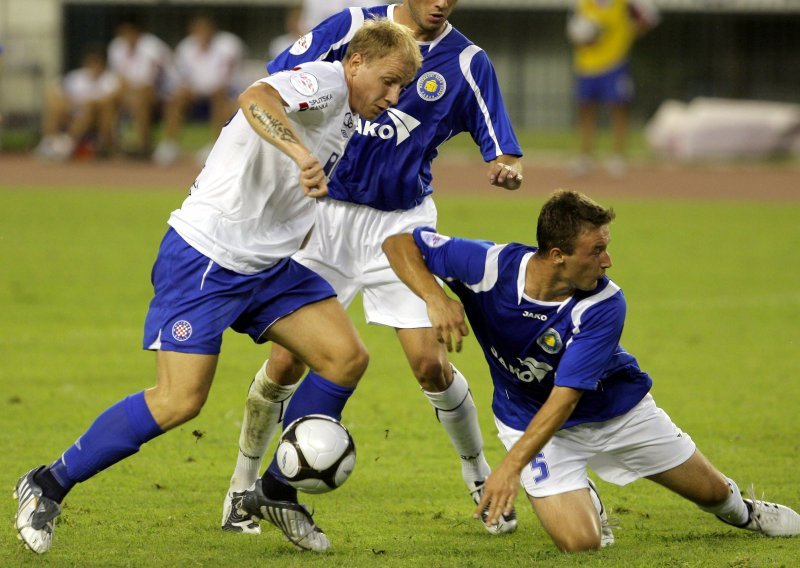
(642, 442)
(345, 249)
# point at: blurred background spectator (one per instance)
(293, 31)
(206, 66)
(314, 11)
(80, 105)
(726, 49)
(602, 33)
(141, 61)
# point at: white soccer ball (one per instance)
(316, 453)
(582, 30)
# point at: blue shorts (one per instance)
(196, 300)
(613, 87)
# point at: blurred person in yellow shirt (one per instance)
(602, 33)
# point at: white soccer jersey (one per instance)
(80, 86)
(207, 70)
(144, 64)
(246, 210)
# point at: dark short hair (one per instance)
(565, 216)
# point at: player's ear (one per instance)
(356, 61)
(556, 256)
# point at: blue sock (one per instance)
(315, 395)
(116, 434)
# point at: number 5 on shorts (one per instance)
(538, 464)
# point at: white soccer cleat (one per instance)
(36, 514)
(293, 519)
(507, 523)
(771, 519)
(606, 532)
(232, 520)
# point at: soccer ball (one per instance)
(582, 30)
(316, 453)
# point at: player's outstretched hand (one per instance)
(499, 493)
(508, 176)
(448, 321)
(312, 177)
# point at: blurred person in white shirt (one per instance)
(80, 104)
(206, 65)
(141, 60)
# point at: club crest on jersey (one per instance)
(181, 330)
(433, 240)
(301, 45)
(550, 341)
(304, 83)
(431, 86)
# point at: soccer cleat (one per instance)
(293, 519)
(771, 519)
(606, 532)
(507, 523)
(232, 520)
(36, 514)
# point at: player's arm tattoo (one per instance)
(272, 125)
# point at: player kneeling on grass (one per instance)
(225, 263)
(566, 395)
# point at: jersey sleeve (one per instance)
(452, 258)
(597, 330)
(309, 87)
(488, 120)
(326, 42)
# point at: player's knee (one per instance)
(354, 363)
(177, 407)
(345, 365)
(577, 541)
(429, 370)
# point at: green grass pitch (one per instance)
(713, 310)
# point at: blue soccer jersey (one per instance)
(387, 164)
(530, 345)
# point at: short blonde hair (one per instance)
(380, 37)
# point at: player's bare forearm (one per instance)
(502, 485)
(446, 315)
(263, 108)
(506, 172)
(406, 260)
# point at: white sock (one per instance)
(733, 510)
(263, 413)
(456, 411)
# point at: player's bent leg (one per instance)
(323, 337)
(700, 482)
(570, 519)
(184, 381)
(263, 413)
(448, 392)
(117, 433)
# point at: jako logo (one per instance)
(403, 125)
(540, 317)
